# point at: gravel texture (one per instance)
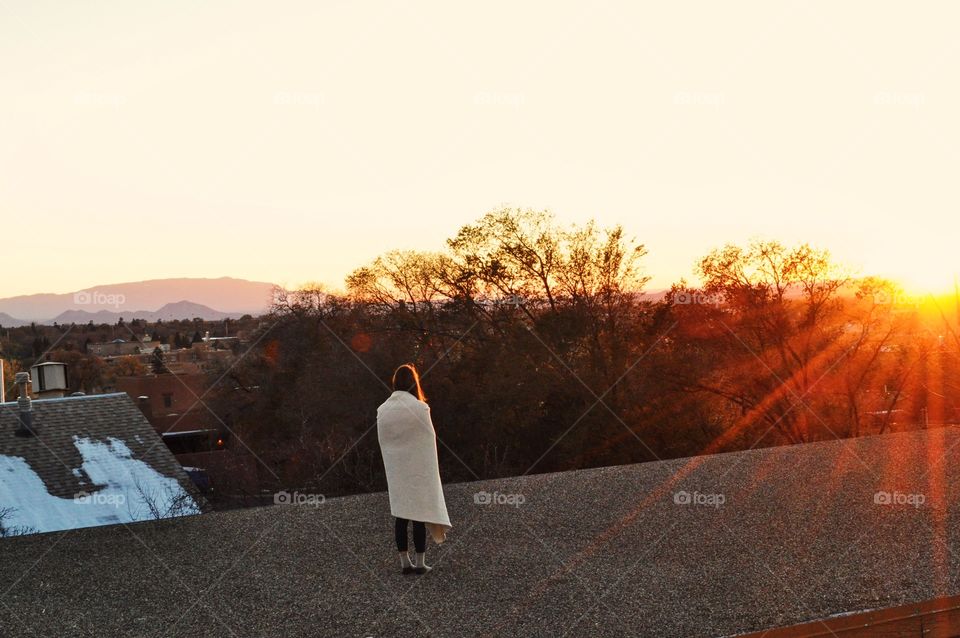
(605, 552)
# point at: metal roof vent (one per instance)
(49, 379)
(24, 406)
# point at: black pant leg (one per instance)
(419, 537)
(400, 533)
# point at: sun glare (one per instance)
(928, 283)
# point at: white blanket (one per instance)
(409, 446)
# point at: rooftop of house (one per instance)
(93, 460)
(711, 546)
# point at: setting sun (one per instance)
(927, 283)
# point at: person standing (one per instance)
(408, 443)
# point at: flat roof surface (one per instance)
(802, 533)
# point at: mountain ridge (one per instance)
(168, 312)
(212, 298)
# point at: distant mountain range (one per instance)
(166, 299)
(168, 312)
(7, 320)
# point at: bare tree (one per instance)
(162, 502)
(7, 530)
(776, 331)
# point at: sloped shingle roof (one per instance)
(84, 444)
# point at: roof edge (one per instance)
(71, 398)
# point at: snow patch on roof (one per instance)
(122, 490)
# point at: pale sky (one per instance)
(294, 141)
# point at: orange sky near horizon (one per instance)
(295, 142)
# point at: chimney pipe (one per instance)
(24, 406)
(143, 402)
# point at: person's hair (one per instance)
(406, 378)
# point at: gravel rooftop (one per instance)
(799, 536)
